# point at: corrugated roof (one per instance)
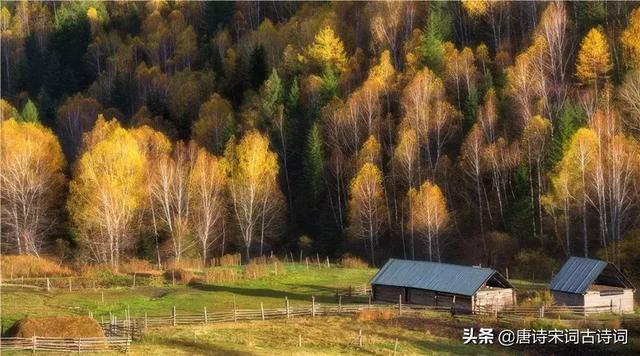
(441, 277)
(577, 275)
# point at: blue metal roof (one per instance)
(440, 277)
(577, 275)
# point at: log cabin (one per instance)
(593, 284)
(464, 288)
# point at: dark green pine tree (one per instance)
(314, 159)
(437, 30)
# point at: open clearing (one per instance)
(298, 285)
(431, 333)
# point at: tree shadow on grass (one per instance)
(203, 348)
(321, 297)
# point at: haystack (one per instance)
(67, 326)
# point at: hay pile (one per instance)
(68, 326)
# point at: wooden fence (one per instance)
(134, 327)
(88, 344)
(75, 283)
(542, 311)
(362, 289)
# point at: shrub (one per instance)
(374, 314)
(31, 266)
(227, 260)
(538, 298)
(255, 270)
(279, 268)
(547, 324)
(192, 264)
(136, 265)
(220, 275)
(353, 262)
(180, 275)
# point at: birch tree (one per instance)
(429, 216)
(253, 171)
(170, 191)
(107, 192)
(32, 181)
(367, 206)
(207, 204)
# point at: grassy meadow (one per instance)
(297, 284)
(431, 333)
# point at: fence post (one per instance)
(134, 279)
(299, 340)
(102, 293)
(235, 315)
(318, 259)
(22, 278)
(313, 306)
(399, 304)
(369, 299)
(145, 320)
(306, 260)
(611, 306)
(173, 277)
(339, 304)
(48, 285)
(206, 320)
(33, 339)
(78, 341)
(542, 311)
(262, 310)
(395, 346)
(173, 314)
(360, 338)
(328, 264)
(286, 305)
(453, 305)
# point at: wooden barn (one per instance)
(592, 283)
(441, 284)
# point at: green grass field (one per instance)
(298, 284)
(432, 333)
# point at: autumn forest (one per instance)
(495, 133)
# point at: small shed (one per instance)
(441, 284)
(592, 283)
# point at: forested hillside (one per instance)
(500, 133)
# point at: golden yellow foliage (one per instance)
(253, 185)
(92, 14)
(106, 192)
(328, 50)
(7, 111)
(367, 205)
(405, 155)
(428, 214)
(32, 179)
(476, 8)
(594, 60)
(207, 181)
(370, 152)
(630, 39)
